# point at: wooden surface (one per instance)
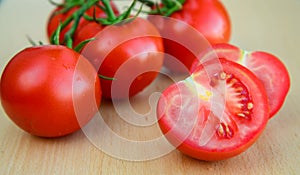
(269, 25)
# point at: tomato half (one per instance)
(216, 113)
(56, 18)
(50, 91)
(267, 67)
(208, 17)
(130, 52)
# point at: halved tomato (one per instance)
(267, 67)
(216, 113)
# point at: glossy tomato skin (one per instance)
(191, 117)
(267, 67)
(88, 31)
(130, 52)
(208, 17)
(50, 91)
(55, 18)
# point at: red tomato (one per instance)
(267, 67)
(216, 113)
(131, 52)
(88, 31)
(50, 91)
(55, 18)
(208, 17)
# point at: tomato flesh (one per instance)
(50, 91)
(267, 67)
(216, 113)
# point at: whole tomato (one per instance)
(131, 52)
(56, 17)
(50, 91)
(210, 21)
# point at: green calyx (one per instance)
(112, 18)
(166, 8)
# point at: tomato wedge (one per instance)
(267, 67)
(216, 113)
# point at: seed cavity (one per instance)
(239, 100)
(225, 131)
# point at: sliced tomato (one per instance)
(267, 67)
(216, 113)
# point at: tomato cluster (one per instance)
(98, 52)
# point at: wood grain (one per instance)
(270, 25)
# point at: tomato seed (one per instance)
(250, 105)
(223, 76)
(224, 131)
(241, 115)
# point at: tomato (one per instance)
(56, 18)
(216, 113)
(50, 91)
(208, 17)
(267, 67)
(88, 31)
(130, 52)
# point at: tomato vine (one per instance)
(84, 5)
(166, 8)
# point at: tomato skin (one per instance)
(50, 91)
(88, 31)
(267, 67)
(182, 103)
(130, 52)
(56, 18)
(208, 17)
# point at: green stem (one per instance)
(106, 78)
(177, 5)
(148, 3)
(109, 11)
(126, 14)
(168, 8)
(80, 46)
(75, 17)
(55, 3)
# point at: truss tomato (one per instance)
(50, 91)
(130, 52)
(208, 17)
(56, 18)
(216, 113)
(267, 67)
